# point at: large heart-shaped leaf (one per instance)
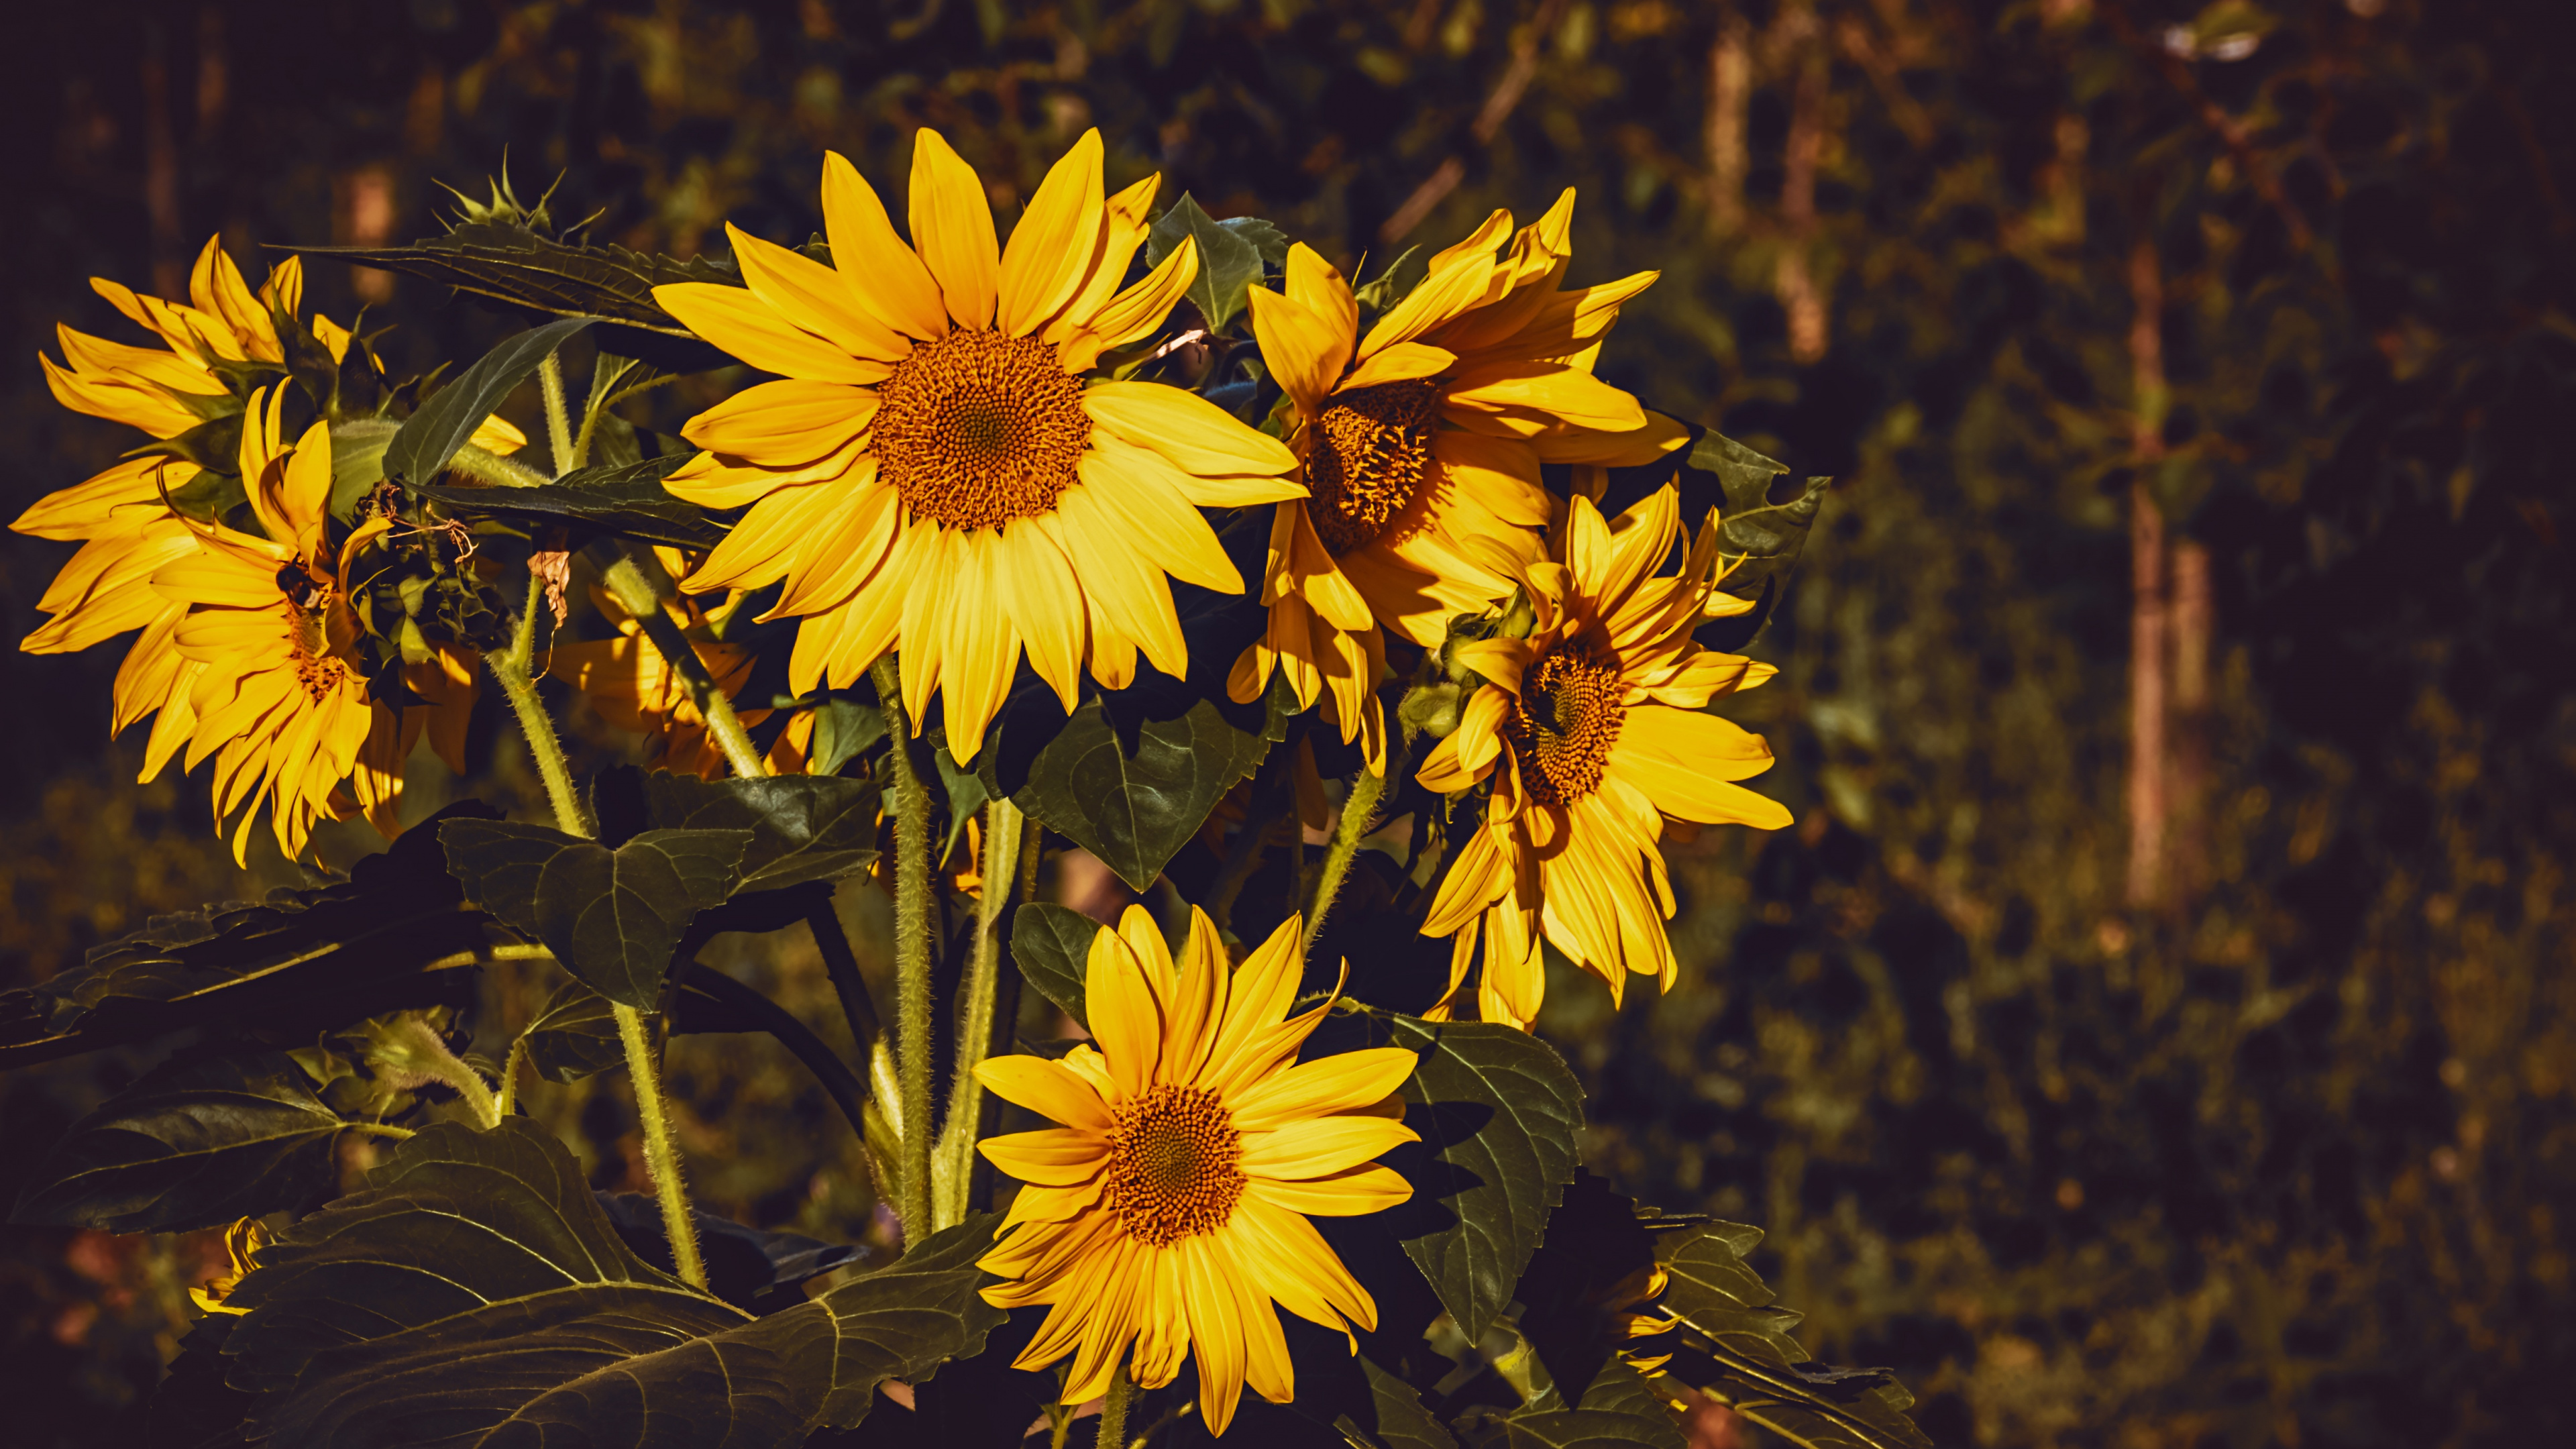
(476, 1293)
(627, 499)
(1230, 256)
(1133, 791)
(754, 1269)
(575, 1033)
(396, 933)
(1619, 1389)
(422, 446)
(803, 827)
(531, 275)
(1499, 1113)
(1569, 1429)
(1051, 945)
(191, 1145)
(612, 917)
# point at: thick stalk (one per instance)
(1359, 808)
(661, 1154)
(558, 412)
(1000, 871)
(500, 472)
(1113, 1409)
(912, 955)
(510, 667)
(411, 1045)
(640, 592)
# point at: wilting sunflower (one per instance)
(242, 1242)
(1589, 730)
(1169, 1211)
(933, 473)
(1423, 435)
(274, 696)
(126, 529)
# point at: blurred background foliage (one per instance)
(2158, 1030)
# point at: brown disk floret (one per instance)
(1373, 454)
(1175, 1165)
(1567, 718)
(976, 429)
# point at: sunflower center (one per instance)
(1565, 722)
(1374, 452)
(1175, 1165)
(308, 646)
(976, 429)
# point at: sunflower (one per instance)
(1169, 1211)
(274, 694)
(1589, 731)
(242, 1243)
(934, 473)
(121, 518)
(1421, 436)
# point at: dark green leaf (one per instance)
(843, 727)
(1620, 1389)
(421, 448)
(1591, 1270)
(803, 827)
(1403, 1421)
(192, 1407)
(1229, 259)
(612, 917)
(1133, 793)
(961, 794)
(620, 498)
(477, 1293)
(533, 276)
(1052, 946)
(1267, 239)
(1391, 286)
(396, 933)
(753, 1269)
(1499, 1114)
(1571, 1429)
(1766, 535)
(191, 1145)
(357, 461)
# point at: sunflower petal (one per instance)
(952, 228)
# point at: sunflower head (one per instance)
(242, 1243)
(1169, 1211)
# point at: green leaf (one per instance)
(476, 1293)
(422, 446)
(1620, 1389)
(1134, 792)
(1229, 258)
(1499, 1113)
(961, 794)
(191, 1145)
(843, 726)
(1403, 1420)
(531, 275)
(803, 827)
(396, 933)
(1052, 946)
(1399, 279)
(1753, 1364)
(1569, 1429)
(620, 498)
(612, 917)
(1765, 536)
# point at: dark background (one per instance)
(2189, 1075)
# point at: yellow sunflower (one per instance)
(242, 1243)
(934, 473)
(1421, 436)
(1169, 1211)
(126, 530)
(1590, 733)
(274, 696)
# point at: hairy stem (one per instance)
(604, 374)
(558, 412)
(912, 955)
(414, 1046)
(1000, 871)
(510, 667)
(640, 591)
(661, 1154)
(1113, 1409)
(378, 1129)
(484, 466)
(1359, 808)
(510, 1066)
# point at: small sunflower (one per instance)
(274, 693)
(1590, 732)
(1169, 1211)
(933, 472)
(1422, 443)
(242, 1242)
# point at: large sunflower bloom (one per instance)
(126, 530)
(933, 474)
(273, 694)
(1169, 1211)
(1589, 731)
(1424, 434)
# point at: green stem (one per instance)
(510, 667)
(510, 1065)
(604, 374)
(911, 955)
(1113, 1409)
(640, 591)
(1359, 808)
(412, 1045)
(558, 412)
(1000, 871)
(379, 1129)
(661, 1154)
(489, 467)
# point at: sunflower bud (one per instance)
(1431, 709)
